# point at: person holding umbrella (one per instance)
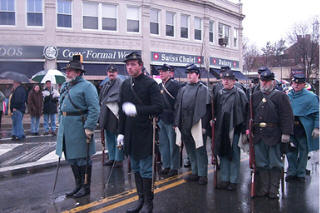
(78, 115)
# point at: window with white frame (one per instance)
(235, 38)
(90, 15)
(109, 17)
(133, 17)
(34, 12)
(7, 12)
(184, 28)
(224, 32)
(154, 21)
(170, 24)
(64, 14)
(197, 28)
(211, 31)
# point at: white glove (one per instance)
(129, 109)
(120, 141)
(45, 93)
(315, 133)
(285, 138)
(89, 134)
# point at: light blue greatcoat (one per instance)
(71, 128)
(305, 105)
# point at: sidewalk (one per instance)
(31, 155)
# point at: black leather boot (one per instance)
(263, 180)
(77, 179)
(85, 187)
(148, 196)
(275, 175)
(139, 186)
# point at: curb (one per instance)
(35, 167)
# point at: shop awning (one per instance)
(25, 67)
(98, 69)
(237, 74)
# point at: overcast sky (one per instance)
(271, 20)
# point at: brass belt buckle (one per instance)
(262, 124)
(64, 113)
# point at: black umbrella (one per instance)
(15, 76)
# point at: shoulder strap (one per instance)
(134, 93)
(165, 89)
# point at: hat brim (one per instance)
(74, 68)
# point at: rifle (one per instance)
(282, 176)
(252, 162)
(153, 152)
(214, 159)
(56, 178)
(181, 155)
(87, 160)
(103, 143)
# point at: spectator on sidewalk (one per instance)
(35, 103)
(17, 108)
(7, 92)
(50, 102)
(2, 98)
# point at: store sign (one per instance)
(93, 54)
(50, 52)
(21, 52)
(219, 62)
(175, 58)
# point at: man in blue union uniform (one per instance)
(305, 106)
(140, 100)
(78, 115)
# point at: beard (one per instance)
(267, 89)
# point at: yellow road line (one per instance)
(129, 192)
(129, 200)
(122, 194)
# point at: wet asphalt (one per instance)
(32, 192)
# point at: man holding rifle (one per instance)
(78, 116)
(140, 101)
(231, 108)
(272, 125)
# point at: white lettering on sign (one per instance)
(11, 51)
(224, 63)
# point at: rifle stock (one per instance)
(103, 143)
(153, 152)
(252, 163)
(213, 160)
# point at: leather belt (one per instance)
(263, 124)
(74, 113)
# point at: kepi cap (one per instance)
(267, 75)
(228, 74)
(192, 68)
(299, 78)
(133, 56)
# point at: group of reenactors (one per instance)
(232, 115)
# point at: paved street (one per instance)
(27, 171)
